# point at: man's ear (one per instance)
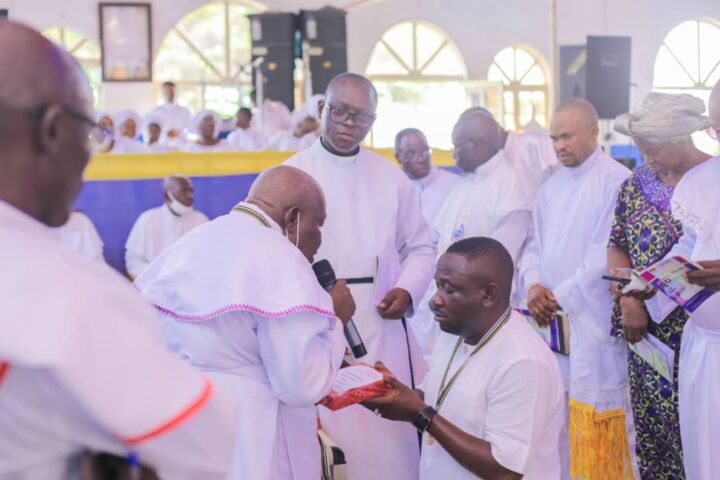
(47, 138)
(291, 219)
(321, 107)
(489, 295)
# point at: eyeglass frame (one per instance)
(351, 114)
(38, 112)
(407, 155)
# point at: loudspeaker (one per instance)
(3, 13)
(273, 39)
(324, 37)
(608, 75)
(573, 61)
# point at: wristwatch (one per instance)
(424, 418)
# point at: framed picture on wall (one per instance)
(126, 42)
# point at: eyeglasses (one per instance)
(340, 114)
(98, 136)
(407, 155)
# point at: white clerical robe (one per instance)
(696, 201)
(247, 139)
(509, 394)
(174, 116)
(80, 234)
(154, 231)
(567, 254)
(434, 189)
(287, 141)
(241, 303)
(533, 157)
(373, 210)
(82, 370)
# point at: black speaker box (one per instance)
(3, 13)
(608, 75)
(325, 34)
(273, 38)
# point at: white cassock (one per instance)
(510, 394)
(69, 381)
(567, 254)
(249, 139)
(434, 189)
(241, 303)
(696, 202)
(534, 159)
(80, 234)
(174, 116)
(373, 210)
(288, 142)
(127, 145)
(488, 203)
(154, 231)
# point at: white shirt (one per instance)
(174, 116)
(287, 141)
(80, 234)
(434, 189)
(274, 343)
(247, 139)
(373, 210)
(489, 203)
(567, 254)
(510, 394)
(154, 231)
(127, 145)
(68, 384)
(221, 146)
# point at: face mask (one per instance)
(178, 208)
(297, 232)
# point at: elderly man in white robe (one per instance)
(373, 213)
(158, 228)
(494, 392)
(240, 301)
(69, 382)
(561, 270)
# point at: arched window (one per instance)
(526, 86)
(207, 54)
(419, 73)
(689, 62)
(85, 51)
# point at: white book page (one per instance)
(355, 376)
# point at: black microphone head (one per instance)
(325, 274)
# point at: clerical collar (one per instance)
(340, 157)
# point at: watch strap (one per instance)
(424, 418)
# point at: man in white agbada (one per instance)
(696, 202)
(240, 301)
(80, 234)
(373, 211)
(245, 137)
(530, 153)
(176, 118)
(158, 228)
(433, 186)
(494, 392)
(79, 371)
(561, 269)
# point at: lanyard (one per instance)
(252, 213)
(445, 388)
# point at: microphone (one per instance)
(326, 277)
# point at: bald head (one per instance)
(476, 139)
(714, 105)
(347, 113)
(45, 122)
(574, 131)
(295, 201)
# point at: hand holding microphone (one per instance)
(343, 304)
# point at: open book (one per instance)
(669, 277)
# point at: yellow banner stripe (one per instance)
(216, 164)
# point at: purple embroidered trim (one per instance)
(654, 191)
(233, 307)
